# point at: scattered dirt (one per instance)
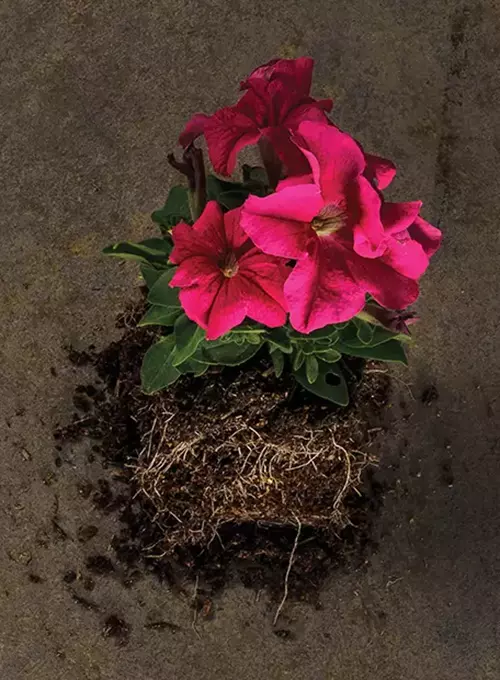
(429, 395)
(117, 628)
(221, 476)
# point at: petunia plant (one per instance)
(302, 258)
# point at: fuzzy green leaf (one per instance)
(298, 359)
(329, 384)
(188, 336)
(245, 328)
(175, 210)
(278, 337)
(391, 350)
(364, 331)
(330, 355)
(192, 366)
(162, 294)
(233, 199)
(330, 331)
(150, 274)
(312, 369)
(160, 316)
(225, 354)
(150, 251)
(157, 370)
(231, 194)
(349, 336)
(278, 362)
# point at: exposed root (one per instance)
(241, 473)
(287, 574)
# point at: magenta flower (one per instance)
(346, 242)
(276, 100)
(223, 277)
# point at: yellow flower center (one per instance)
(329, 220)
(230, 266)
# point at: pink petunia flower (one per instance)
(346, 241)
(276, 100)
(223, 277)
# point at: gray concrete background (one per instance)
(92, 97)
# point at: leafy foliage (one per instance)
(153, 251)
(314, 359)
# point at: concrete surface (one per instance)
(93, 95)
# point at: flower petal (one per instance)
(296, 73)
(335, 157)
(379, 171)
(229, 308)
(301, 202)
(194, 128)
(407, 257)
(196, 270)
(287, 151)
(428, 236)
(260, 306)
(268, 272)
(369, 237)
(198, 300)
(398, 217)
(186, 243)
(389, 288)
(254, 107)
(279, 224)
(294, 181)
(321, 291)
(206, 237)
(312, 110)
(227, 132)
(235, 236)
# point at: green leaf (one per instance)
(245, 328)
(391, 350)
(175, 209)
(233, 199)
(151, 251)
(252, 338)
(225, 354)
(229, 194)
(188, 336)
(162, 294)
(157, 371)
(380, 335)
(364, 331)
(298, 359)
(150, 274)
(308, 347)
(319, 334)
(278, 362)
(330, 383)
(192, 366)
(278, 337)
(329, 355)
(160, 316)
(312, 369)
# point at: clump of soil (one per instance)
(229, 471)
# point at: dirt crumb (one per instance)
(99, 564)
(116, 628)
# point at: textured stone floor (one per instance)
(92, 96)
